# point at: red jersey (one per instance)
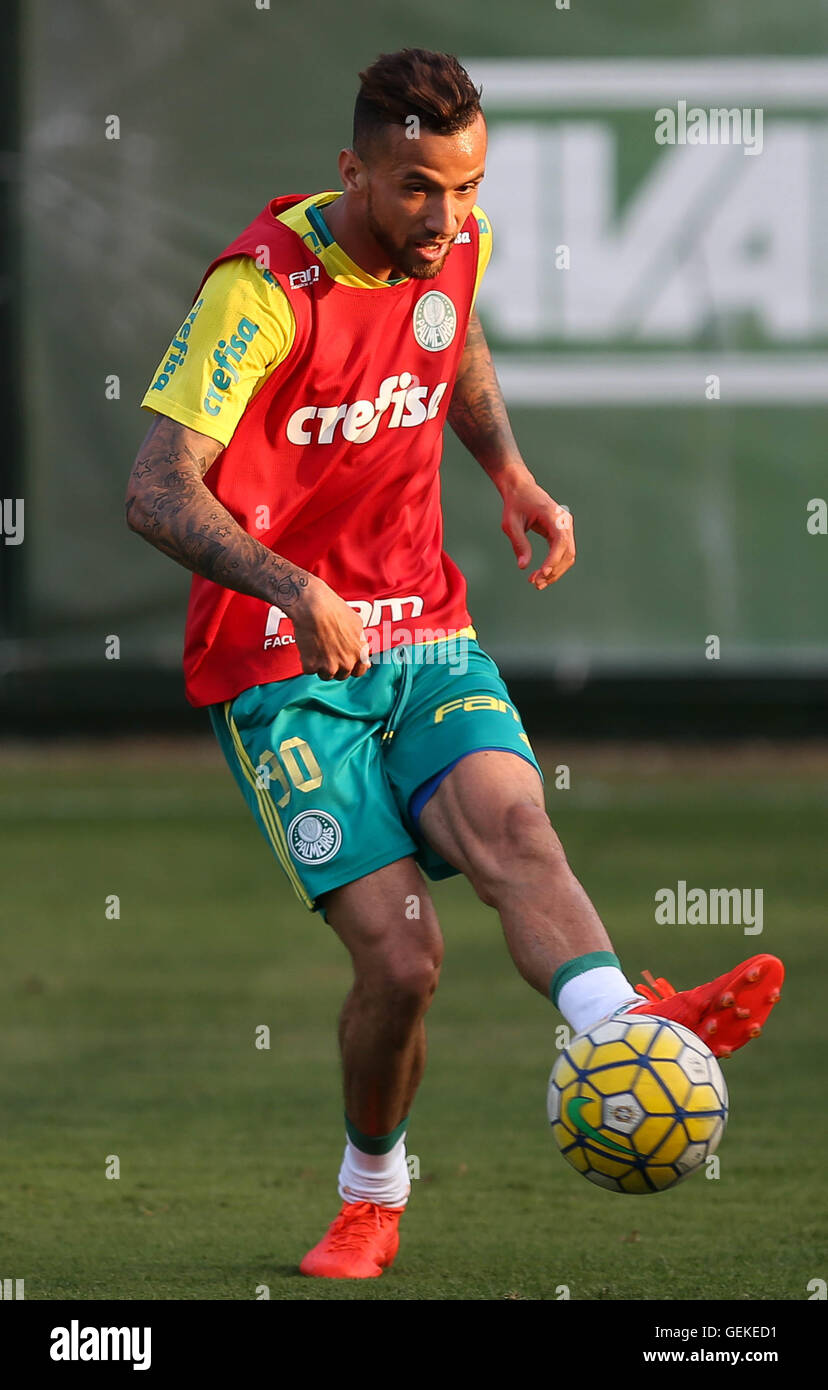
(335, 463)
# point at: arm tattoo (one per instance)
(477, 412)
(169, 504)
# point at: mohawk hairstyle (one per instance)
(434, 87)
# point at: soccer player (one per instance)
(293, 466)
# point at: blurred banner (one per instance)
(657, 302)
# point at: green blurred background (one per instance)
(690, 512)
(134, 1035)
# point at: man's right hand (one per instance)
(329, 635)
(170, 505)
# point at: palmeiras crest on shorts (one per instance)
(314, 837)
(435, 321)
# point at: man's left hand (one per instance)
(526, 507)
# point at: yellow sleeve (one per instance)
(239, 329)
(484, 246)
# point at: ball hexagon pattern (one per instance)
(637, 1104)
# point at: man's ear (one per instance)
(352, 171)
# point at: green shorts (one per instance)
(329, 768)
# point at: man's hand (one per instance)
(477, 415)
(526, 507)
(329, 635)
(170, 505)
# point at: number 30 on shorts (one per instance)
(278, 767)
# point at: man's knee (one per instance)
(399, 983)
(412, 977)
(522, 841)
(400, 964)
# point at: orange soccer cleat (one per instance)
(726, 1013)
(360, 1244)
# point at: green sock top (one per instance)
(375, 1143)
(579, 966)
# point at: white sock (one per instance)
(591, 996)
(380, 1178)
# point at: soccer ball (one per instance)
(637, 1104)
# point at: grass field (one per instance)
(135, 1037)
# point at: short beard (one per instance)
(401, 259)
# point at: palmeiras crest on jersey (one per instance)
(314, 837)
(435, 321)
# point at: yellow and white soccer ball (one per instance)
(637, 1104)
